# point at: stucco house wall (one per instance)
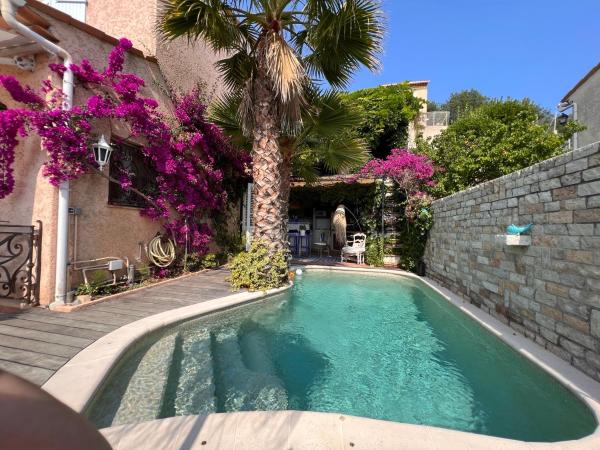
(103, 230)
(185, 65)
(586, 95)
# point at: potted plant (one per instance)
(302, 229)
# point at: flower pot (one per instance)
(302, 232)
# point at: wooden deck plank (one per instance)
(52, 328)
(63, 319)
(37, 346)
(32, 358)
(36, 375)
(124, 311)
(42, 336)
(92, 315)
(35, 343)
(148, 308)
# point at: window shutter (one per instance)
(74, 8)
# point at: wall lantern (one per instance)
(102, 151)
(563, 119)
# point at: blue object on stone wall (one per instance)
(518, 230)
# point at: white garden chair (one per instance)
(355, 248)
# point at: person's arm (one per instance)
(31, 419)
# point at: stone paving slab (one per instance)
(34, 344)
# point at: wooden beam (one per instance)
(18, 50)
(27, 16)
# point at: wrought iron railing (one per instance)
(20, 254)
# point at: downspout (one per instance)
(9, 12)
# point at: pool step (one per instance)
(143, 398)
(242, 389)
(196, 389)
(255, 352)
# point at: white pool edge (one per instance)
(78, 380)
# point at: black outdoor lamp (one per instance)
(563, 119)
(102, 151)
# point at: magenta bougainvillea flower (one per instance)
(193, 161)
(410, 171)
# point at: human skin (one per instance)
(30, 418)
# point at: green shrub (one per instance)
(87, 289)
(196, 261)
(418, 220)
(193, 262)
(374, 251)
(257, 269)
(210, 261)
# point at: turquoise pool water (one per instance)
(367, 345)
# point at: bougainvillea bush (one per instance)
(412, 175)
(194, 163)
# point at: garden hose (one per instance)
(161, 254)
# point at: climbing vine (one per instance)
(195, 164)
(412, 175)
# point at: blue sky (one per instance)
(504, 48)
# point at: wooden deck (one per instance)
(36, 343)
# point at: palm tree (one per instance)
(325, 139)
(277, 49)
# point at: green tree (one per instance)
(276, 50)
(463, 102)
(387, 112)
(498, 138)
(324, 139)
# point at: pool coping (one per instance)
(84, 373)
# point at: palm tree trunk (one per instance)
(286, 179)
(266, 162)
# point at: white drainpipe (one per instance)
(9, 10)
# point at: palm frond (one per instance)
(337, 155)
(284, 68)
(345, 36)
(225, 114)
(212, 20)
(237, 69)
(330, 115)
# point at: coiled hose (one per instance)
(161, 254)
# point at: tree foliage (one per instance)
(277, 53)
(498, 138)
(462, 103)
(387, 112)
(324, 141)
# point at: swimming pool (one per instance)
(377, 346)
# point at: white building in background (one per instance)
(74, 8)
(429, 124)
(584, 99)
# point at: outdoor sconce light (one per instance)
(102, 151)
(563, 119)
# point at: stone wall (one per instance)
(550, 290)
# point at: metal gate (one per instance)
(20, 252)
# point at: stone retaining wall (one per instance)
(548, 291)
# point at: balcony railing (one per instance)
(437, 118)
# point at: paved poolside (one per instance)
(35, 343)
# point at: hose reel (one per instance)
(161, 252)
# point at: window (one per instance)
(129, 158)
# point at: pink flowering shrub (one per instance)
(410, 171)
(194, 163)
